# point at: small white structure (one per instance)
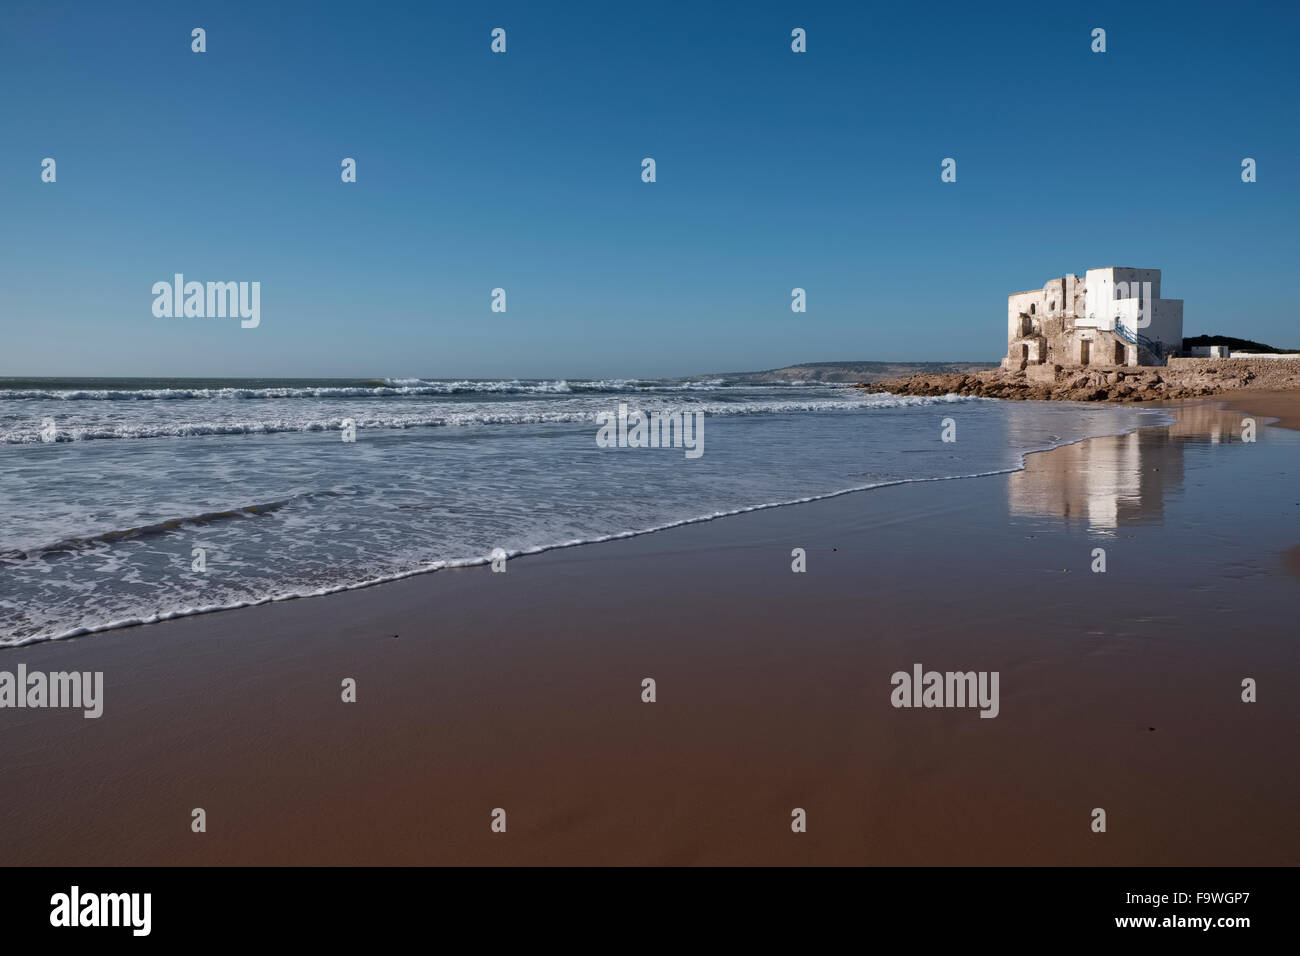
(1114, 316)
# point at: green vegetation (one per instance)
(1237, 345)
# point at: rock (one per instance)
(1188, 379)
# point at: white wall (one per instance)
(1165, 321)
(1020, 302)
(1099, 292)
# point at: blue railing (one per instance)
(1133, 338)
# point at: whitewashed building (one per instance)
(1113, 316)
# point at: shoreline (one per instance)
(1181, 379)
(478, 690)
(1285, 403)
(1283, 407)
(456, 564)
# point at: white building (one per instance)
(1114, 316)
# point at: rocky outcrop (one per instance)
(1083, 384)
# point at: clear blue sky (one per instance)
(522, 171)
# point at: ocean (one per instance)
(127, 501)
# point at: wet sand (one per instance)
(1284, 406)
(523, 690)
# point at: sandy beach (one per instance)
(1282, 406)
(523, 690)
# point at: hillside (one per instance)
(1237, 345)
(845, 372)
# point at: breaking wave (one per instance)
(453, 416)
(155, 529)
(385, 388)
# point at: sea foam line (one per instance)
(391, 388)
(1164, 419)
(31, 435)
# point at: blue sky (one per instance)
(523, 171)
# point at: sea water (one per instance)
(129, 501)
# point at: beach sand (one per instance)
(523, 690)
(1283, 406)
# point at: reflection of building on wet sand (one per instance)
(1103, 481)
(1100, 482)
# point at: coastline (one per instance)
(848, 481)
(1182, 378)
(522, 691)
(1282, 406)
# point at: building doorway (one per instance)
(1085, 352)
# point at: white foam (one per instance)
(392, 388)
(452, 416)
(1160, 419)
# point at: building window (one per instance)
(1051, 306)
(1032, 308)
